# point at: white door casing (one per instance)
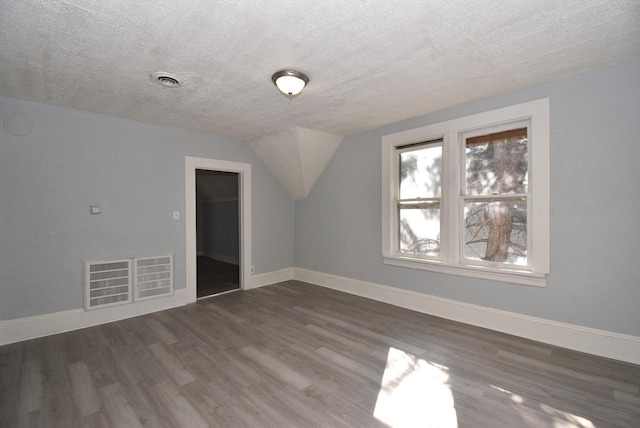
(244, 199)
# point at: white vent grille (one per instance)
(107, 283)
(153, 276)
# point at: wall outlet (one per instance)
(253, 269)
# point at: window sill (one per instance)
(480, 272)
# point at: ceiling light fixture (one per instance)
(290, 82)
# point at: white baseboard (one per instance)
(20, 329)
(262, 279)
(222, 258)
(593, 341)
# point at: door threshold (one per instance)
(219, 294)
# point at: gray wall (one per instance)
(135, 171)
(199, 222)
(595, 208)
(221, 231)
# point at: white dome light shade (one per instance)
(290, 82)
(290, 85)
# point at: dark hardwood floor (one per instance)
(297, 355)
(216, 277)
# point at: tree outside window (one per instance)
(495, 197)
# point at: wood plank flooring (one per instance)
(215, 276)
(297, 355)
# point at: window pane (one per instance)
(497, 163)
(421, 173)
(419, 228)
(496, 230)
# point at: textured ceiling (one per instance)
(371, 62)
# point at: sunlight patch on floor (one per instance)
(415, 392)
(561, 419)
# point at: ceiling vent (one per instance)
(165, 79)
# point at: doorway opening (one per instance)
(243, 177)
(217, 232)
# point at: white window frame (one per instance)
(536, 113)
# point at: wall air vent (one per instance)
(107, 283)
(153, 276)
(115, 282)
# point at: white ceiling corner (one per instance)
(297, 157)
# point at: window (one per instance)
(418, 203)
(470, 196)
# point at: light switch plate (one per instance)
(176, 215)
(95, 209)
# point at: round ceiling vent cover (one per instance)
(166, 79)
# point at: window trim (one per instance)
(537, 112)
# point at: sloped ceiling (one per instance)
(297, 157)
(371, 62)
(216, 186)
